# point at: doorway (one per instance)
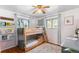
(52, 26)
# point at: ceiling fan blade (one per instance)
(35, 6)
(43, 11)
(34, 11)
(46, 7)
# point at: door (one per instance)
(52, 30)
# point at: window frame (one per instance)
(18, 25)
(52, 25)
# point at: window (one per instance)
(25, 23)
(21, 23)
(53, 23)
(49, 24)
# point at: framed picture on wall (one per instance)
(69, 20)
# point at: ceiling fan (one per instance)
(40, 9)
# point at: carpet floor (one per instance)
(46, 48)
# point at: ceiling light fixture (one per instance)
(40, 9)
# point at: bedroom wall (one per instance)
(69, 30)
(7, 43)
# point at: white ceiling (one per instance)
(28, 9)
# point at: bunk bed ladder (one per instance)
(45, 34)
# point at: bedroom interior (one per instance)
(39, 29)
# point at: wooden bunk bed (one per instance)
(36, 35)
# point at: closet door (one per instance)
(52, 30)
